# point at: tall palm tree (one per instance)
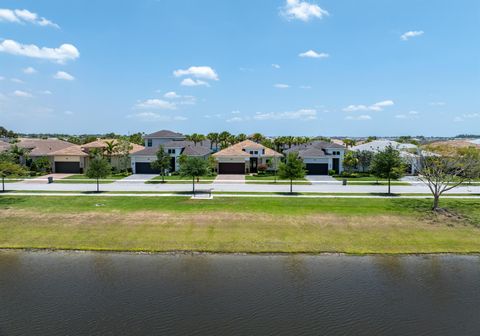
(19, 154)
(241, 137)
(110, 149)
(257, 137)
(223, 138)
(213, 137)
(289, 140)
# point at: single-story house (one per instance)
(320, 156)
(244, 157)
(116, 159)
(408, 152)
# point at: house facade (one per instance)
(245, 157)
(116, 160)
(174, 144)
(320, 157)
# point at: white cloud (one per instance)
(409, 115)
(302, 10)
(29, 71)
(457, 119)
(234, 119)
(360, 117)
(68, 112)
(466, 116)
(61, 54)
(23, 16)
(156, 104)
(204, 72)
(22, 94)
(63, 75)
(16, 80)
(313, 54)
(282, 86)
(152, 116)
(305, 87)
(374, 107)
(193, 82)
(302, 114)
(235, 112)
(46, 92)
(410, 34)
(171, 95)
(2, 78)
(275, 66)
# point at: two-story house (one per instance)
(320, 157)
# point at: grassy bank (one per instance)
(239, 224)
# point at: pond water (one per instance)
(135, 294)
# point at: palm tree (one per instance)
(349, 142)
(241, 137)
(223, 138)
(213, 137)
(20, 154)
(257, 137)
(110, 149)
(289, 140)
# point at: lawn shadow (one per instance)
(5, 202)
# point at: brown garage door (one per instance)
(231, 168)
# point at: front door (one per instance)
(253, 164)
(172, 164)
(336, 165)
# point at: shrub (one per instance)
(262, 168)
(331, 172)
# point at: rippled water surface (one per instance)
(127, 294)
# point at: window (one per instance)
(149, 142)
(256, 152)
(171, 151)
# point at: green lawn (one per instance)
(82, 178)
(239, 224)
(270, 179)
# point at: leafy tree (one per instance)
(110, 149)
(388, 164)
(99, 168)
(4, 133)
(240, 137)
(162, 162)
(268, 143)
(349, 142)
(196, 138)
(123, 150)
(370, 139)
(442, 173)
(20, 154)
(364, 158)
(350, 161)
(136, 138)
(9, 168)
(41, 164)
(292, 168)
(194, 167)
(223, 138)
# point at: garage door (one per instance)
(145, 168)
(67, 167)
(317, 168)
(231, 168)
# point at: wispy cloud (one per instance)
(360, 117)
(22, 94)
(302, 10)
(374, 107)
(29, 71)
(313, 54)
(193, 82)
(439, 103)
(410, 34)
(281, 86)
(25, 16)
(156, 104)
(63, 76)
(275, 66)
(302, 114)
(61, 54)
(410, 115)
(152, 116)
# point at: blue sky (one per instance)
(328, 67)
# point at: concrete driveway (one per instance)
(137, 178)
(227, 178)
(44, 178)
(320, 178)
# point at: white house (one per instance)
(320, 157)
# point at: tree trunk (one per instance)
(98, 186)
(291, 186)
(193, 184)
(436, 200)
(3, 183)
(389, 185)
(163, 177)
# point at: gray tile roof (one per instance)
(188, 147)
(314, 148)
(196, 151)
(165, 134)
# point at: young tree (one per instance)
(194, 167)
(388, 164)
(98, 168)
(350, 161)
(442, 173)
(364, 158)
(110, 149)
(9, 168)
(162, 162)
(123, 150)
(20, 154)
(292, 168)
(41, 164)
